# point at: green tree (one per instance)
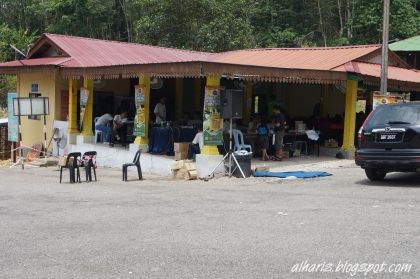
(210, 25)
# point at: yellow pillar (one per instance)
(72, 121)
(144, 81)
(324, 103)
(179, 98)
(212, 81)
(350, 115)
(247, 102)
(88, 114)
(197, 94)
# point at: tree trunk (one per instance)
(349, 19)
(340, 16)
(321, 25)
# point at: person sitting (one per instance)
(263, 140)
(119, 130)
(197, 144)
(103, 124)
(160, 111)
(253, 124)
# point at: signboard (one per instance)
(84, 95)
(212, 123)
(140, 119)
(13, 121)
(30, 106)
(384, 100)
(393, 98)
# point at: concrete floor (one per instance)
(223, 228)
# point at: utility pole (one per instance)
(384, 58)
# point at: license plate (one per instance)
(389, 137)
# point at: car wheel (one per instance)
(375, 174)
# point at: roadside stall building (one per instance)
(109, 73)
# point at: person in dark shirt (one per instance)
(279, 125)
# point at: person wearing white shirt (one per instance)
(160, 111)
(102, 124)
(197, 144)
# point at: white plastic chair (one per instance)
(238, 137)
(98, 133)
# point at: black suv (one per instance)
(389, 140)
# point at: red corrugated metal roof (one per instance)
(324, 58)
(374, 70)
(78, 52)
(46, 61)
(88, 52)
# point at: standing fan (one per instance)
(60, 137)
(156, 83)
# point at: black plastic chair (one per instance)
(73, 166)
(136, 163)
(89, 163)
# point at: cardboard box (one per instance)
(181, 156)
(176, 165)
(181, 174)
(189, 166)
(191, 175)
(181, 147)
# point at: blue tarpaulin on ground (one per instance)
(298, 174)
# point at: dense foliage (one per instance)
(207, 25)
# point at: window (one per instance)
(395, 114)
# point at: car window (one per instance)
(395, 115)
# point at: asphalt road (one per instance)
(224, 228)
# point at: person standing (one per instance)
(160, 111)
(263, 139)
(279, 127)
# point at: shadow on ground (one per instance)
(395, 180)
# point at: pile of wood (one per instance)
(184, 169)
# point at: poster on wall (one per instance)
(212, 123)
(84, 95)
(13, 121)
(140, 118)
